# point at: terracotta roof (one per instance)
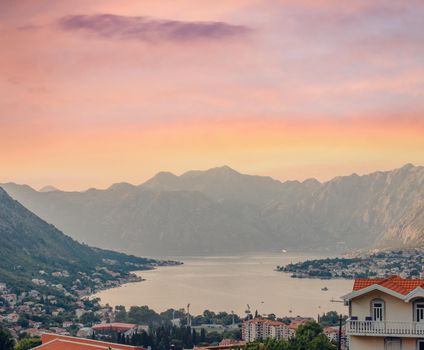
(296, 323)
(266, 321)
(62, 342)
(329, 330)
(397, 284)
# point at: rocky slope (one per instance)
(30, 245)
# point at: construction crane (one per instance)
(248, 312)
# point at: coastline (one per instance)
(133, 278)
(372, 264)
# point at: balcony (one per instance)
(385, 328)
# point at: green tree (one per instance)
(194, 337)
(121, 314)
(6, 339)
(23, 321)
(309, 336)
(308, 330)
(173, 313)
(27, 343)
(271, 317)
(143, 315)
(232, 334)
(213, 337)
(321, 342)
(89, 319)
(330, 318)
(202, 335)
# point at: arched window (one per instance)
(378, 310)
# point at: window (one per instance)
(377, 310)
(419, 311)
(393, 344)
(420, 344)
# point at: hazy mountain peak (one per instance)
(162, 180)
(311, 181)
(225, 169)
(17, 186)
(48, 188)
(408, 168)
(165, 175)
(121, 186)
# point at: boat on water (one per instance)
(324, 289)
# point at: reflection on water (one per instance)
(229, 283)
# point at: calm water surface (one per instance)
(229, 283)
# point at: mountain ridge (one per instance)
(160, 173)
(221, 211)
(30, 245)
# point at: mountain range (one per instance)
(221, 211)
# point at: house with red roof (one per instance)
(386, 313)
(294, 325)
(61, 342)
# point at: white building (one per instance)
(386, 314)
(80, 312)
(332, 333)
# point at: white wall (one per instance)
(377, 343)
(366, 343)
(396, 309)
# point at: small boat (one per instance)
(324, 289)
(283, 251)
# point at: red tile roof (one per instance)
(329, 330)
(266, 321)
(397, 284)
(296, 323)
(62, 342)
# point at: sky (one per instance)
(94, 92)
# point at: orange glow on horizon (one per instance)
(284, 149)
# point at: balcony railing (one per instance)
(385, 328)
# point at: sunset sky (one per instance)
(98, 92)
